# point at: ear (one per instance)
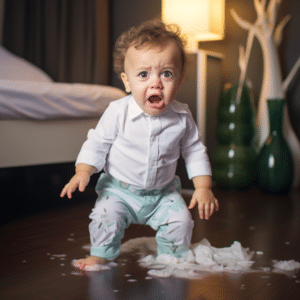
(126, 82)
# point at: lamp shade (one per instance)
(199, 20)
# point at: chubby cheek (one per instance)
(171, 92)
(140, 94)
(142, 89)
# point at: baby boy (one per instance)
(137, 142)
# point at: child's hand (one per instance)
(207, 203)
(79, 180)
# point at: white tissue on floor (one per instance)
(59, 255)
(200, 259)
(284, 265)
(167, 272)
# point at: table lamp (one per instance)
(199, 20)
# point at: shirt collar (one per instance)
(134, 110)
(179, 107)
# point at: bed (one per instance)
(42, 121)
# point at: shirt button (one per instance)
(153, 138)
(153, 164)
(153, 118)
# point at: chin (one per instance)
(155, 111)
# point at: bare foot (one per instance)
(90, 261)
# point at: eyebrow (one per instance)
(171, 66)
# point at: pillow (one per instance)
(17, 68)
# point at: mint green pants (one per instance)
(120, 204)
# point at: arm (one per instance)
(203, 195)
(80, 180)
(199, 170)
(91, 158)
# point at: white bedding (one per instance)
(14, 67)
(49, 100)
(26, 92)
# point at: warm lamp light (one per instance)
(199, 20)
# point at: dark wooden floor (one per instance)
(266, 223)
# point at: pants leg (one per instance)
(110, 217)
(174, 225)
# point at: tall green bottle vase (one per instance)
(275, 168)
(233, 159)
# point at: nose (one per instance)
(156, 83)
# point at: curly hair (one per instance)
(151, 32)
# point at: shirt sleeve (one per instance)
(99, 140)
(193, 150)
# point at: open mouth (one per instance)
(154, 98)
(156, 102)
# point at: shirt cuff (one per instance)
(198, 168)
(90, 158)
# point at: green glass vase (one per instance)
(275, 171)
(233, 159)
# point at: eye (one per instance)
(143, 74)
(167, 74)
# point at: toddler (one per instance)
(137, 142)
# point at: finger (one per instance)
(207, 211)
(82, 186)
(193, 203)
(217, 204)
(69, 193)
(64, 191)
(212, 208)
(71, 189)
(201, 211)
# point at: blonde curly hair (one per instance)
(153, 32)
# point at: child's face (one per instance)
(153, 75)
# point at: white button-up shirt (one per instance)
(143, 150)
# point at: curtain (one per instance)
(68, 39)
(1, 18)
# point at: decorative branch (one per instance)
(244, 24)
(243, 62)
(291, 75)
(241, 57)
(272, 13)
(261, 18)
(260, 9)
(244, 57)
(279, 29)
